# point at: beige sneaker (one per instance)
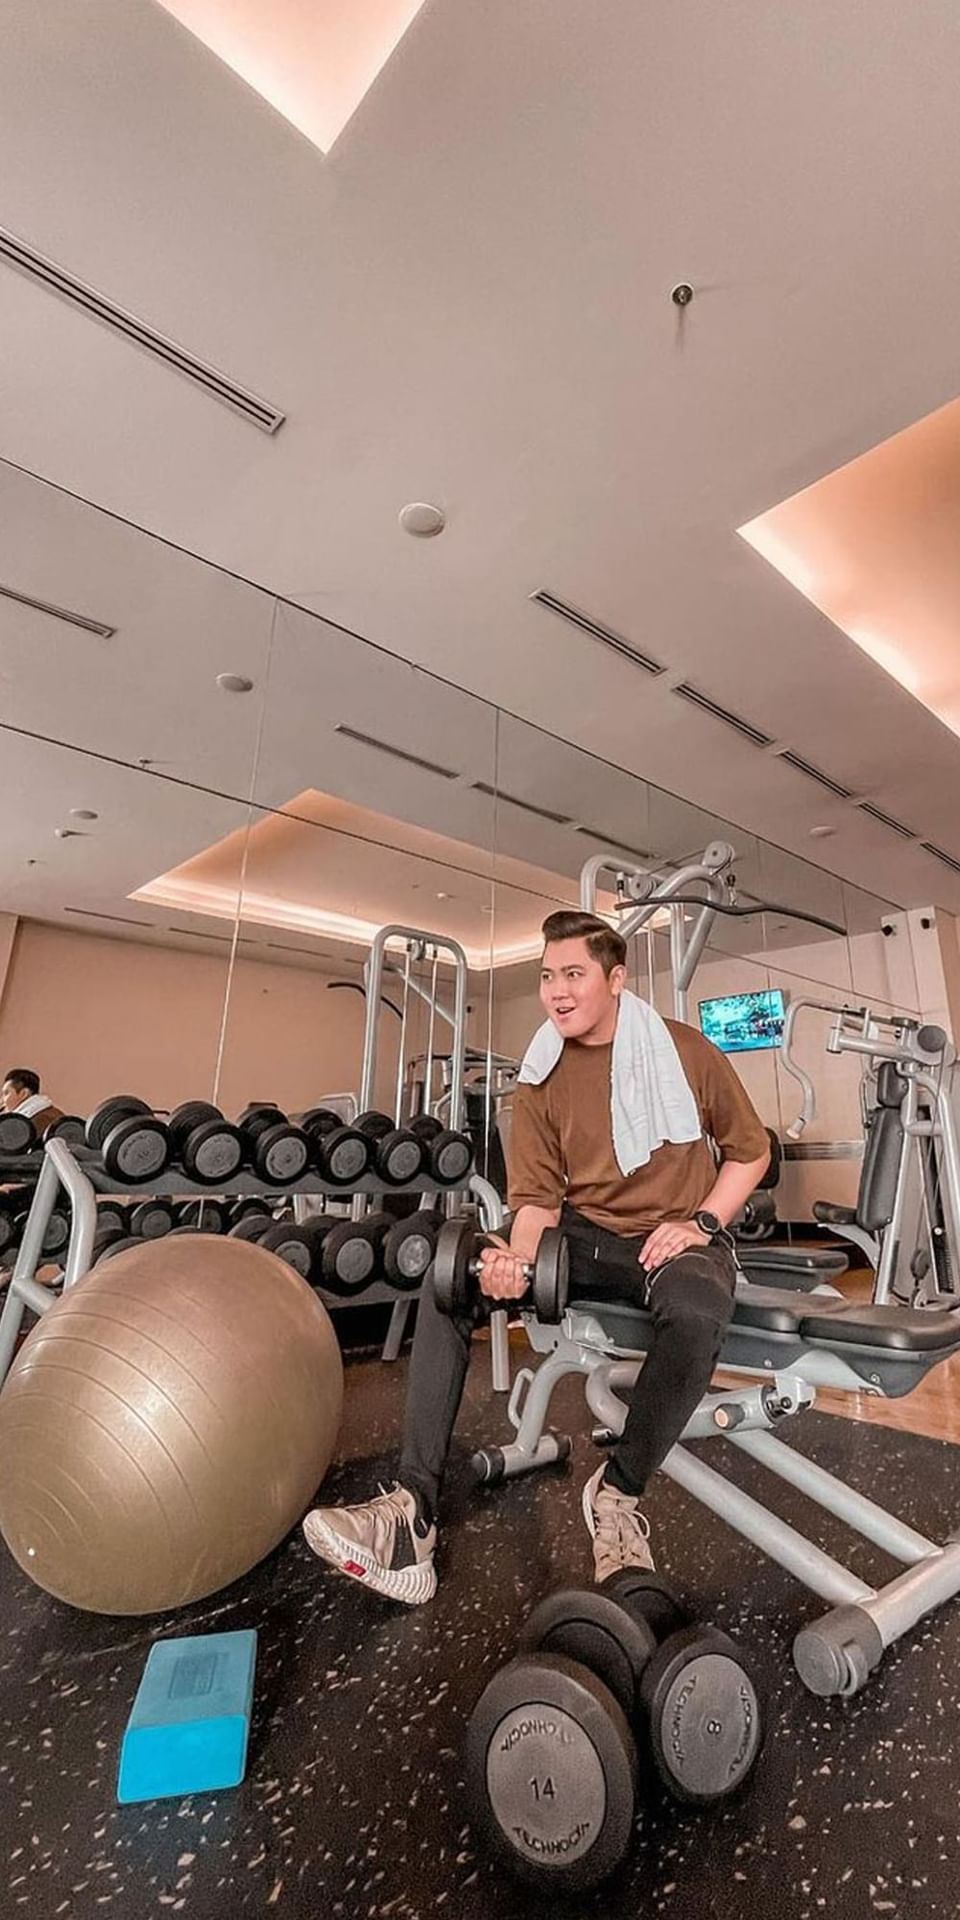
(619, 1531)
(378, 1543)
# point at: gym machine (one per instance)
(907, 1217)
(421, 948)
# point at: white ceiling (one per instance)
(468, 301)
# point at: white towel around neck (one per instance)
(650, 1096)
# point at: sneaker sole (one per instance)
(410, 1585)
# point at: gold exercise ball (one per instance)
(166, 1423)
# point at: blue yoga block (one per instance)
(187, 1732)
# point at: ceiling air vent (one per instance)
(119, 919)
(946, 859)
(814, 773)
(81, 620)
(734, 720)
(887, 820)
(597, 631)
(45, 273)
(526, 806)
(609, 840)
(397, 753)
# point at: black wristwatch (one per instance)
(712, 1227)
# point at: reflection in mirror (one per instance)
(123, 755)
(373, 807)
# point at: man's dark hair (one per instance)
(603, 943)
(24, 1078)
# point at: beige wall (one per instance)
(97, 1016)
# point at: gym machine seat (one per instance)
(791, 1345)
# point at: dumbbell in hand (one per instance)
(457, 1269)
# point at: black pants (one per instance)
(690, 1300)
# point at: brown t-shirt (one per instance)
(561, 1139)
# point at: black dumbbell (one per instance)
(17, 1133)
(112, 1215)
(119, 1243)
(351, 1254)
(133, 1143)
(56, 1233)
(207, 1147)
(106, 1236)
(398, 1156)
(204, 1216)
(449, 1154)
(69, 1128)
(151, 1219)
(251, 1226)
(298, 1243)
(250, 1203)
(685, 1687)
(552, 1764)
(278, 1152)
(456, 1272)
(340, 1153)
(408, 1249)
(703, 1715)
(9, 1231)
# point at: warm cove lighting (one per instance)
(225, 903)
(314, 60)
(875, 546)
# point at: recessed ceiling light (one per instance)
(821, 833)
(83, 813)
(422, 520)
(234, 683)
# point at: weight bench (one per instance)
(794, 1344)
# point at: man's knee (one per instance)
(695, 1292)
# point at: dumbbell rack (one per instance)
(84, 1177)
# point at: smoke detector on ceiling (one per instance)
(234, 683)
(83, 813)
(822, 833)
(422, 520)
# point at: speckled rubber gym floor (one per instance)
(353, 1803)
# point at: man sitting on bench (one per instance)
(610, 1138)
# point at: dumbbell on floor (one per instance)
(398, 1156)
(449, 1154)
(552, 1763)
(456, 1272)
(133, 1143)
(278, 1152)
